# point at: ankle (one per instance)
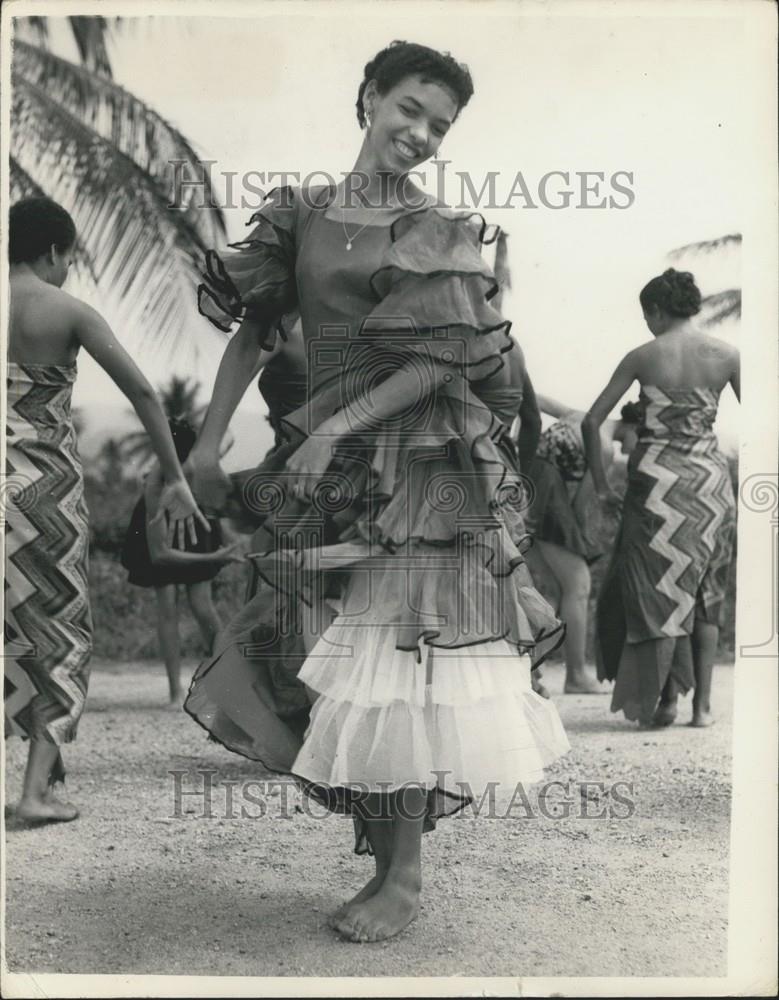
(407, 874)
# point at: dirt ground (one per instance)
(133, 888)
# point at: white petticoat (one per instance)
(461, 717)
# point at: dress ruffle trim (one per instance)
(377, 725)
(255, 275)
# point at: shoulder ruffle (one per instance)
(256, 275)
(434, 276)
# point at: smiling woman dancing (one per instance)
(390, 515)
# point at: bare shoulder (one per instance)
(83, 315)
(639, 356)
(716, 349)
(68, 307)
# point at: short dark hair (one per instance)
(630, 413)
(402, 59)
(36, 224)
(675, 292)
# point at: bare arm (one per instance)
(623, 377)
(529, 425)
(551, 406)
(397, 393)
(97, 338)
(160, 551)
(242, 360)
(735, 376)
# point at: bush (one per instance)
(125, 616)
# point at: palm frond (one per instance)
(35, 29)
(139, 133)
(720, 307)
(91, 36)
(707, 246)
(89, 33)
(150, 256)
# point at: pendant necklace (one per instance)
(350, 239)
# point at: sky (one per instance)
(655, 96)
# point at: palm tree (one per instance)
(723, 305)
(81, 139)
(179, 401)
(111, 463)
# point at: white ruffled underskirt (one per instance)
(462, 717)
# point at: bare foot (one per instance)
(665, 715)
(538, 686)
(48, 809)
(583, 684)
(369, 889)
(701, 719)
(387, 912)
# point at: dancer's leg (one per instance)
(396, 903)
(168, 633)
(573, 577)
(202, 605)
(704, 650)
(377, 815)
(539, 567)
(665, 713)
(38, 803)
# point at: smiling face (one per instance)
(408, 123)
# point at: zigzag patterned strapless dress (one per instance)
(671, 557)
(48, 626)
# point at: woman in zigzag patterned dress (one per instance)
(48, 628)
(660, 606)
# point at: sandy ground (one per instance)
(132, 888)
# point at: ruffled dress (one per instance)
(413, 536)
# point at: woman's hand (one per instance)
(233, 553)
(609, 500)
(210, 484)
(308, 464)
(178, 505)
